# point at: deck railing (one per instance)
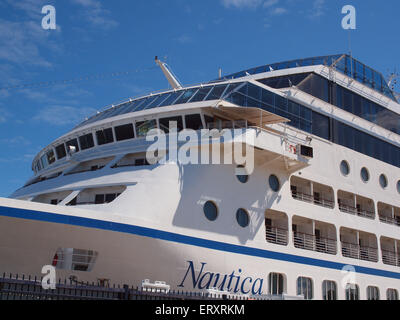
(390, 257)
(276, 235)
(389, 220)
(311, 199)
(356, 211)
(311, 242)
(351, 250)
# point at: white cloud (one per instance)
(241, 3)
(318, 9)
(63, 115)
(183, 39)
(96, 14)
(22, 41)
(278, 11)
(15, 141)
(4, 115)
(270, 3)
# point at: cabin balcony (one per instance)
(314, 235)
(356, 205)
(389, 214)
(390, 251)
(359, 245)
(276, 227)
(312, 192)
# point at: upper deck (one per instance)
(324, 78)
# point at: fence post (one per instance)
(126, 292)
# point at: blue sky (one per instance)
(196, 38)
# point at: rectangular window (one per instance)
(329, 290)
(143, 127)
(166, 123)
(104, 136)
(276, 283)
(321, 126)
(60, 151)
(51, 157)
(372, 293)
(305, 287)
(99, 199)
(193, 121)
(86, 141)
(124, 132)
(72, 144)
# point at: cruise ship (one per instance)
(315, 215)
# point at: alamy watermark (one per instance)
(349, 20)
(49, 20)
(205, 146)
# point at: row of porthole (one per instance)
(211, 212)
(365, 176)
(242, 216)
(273, 180)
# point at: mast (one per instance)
(173, 81)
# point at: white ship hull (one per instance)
(129, 254)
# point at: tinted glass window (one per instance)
(383, 181)
(242, 218)
(186, 96)
(124, 132)
(329, 290)
(201, 94)
(142, 127)
(193, 121)
(274, 182)
(364, 174)
(104, 136)
(165, 123)
(344, 168)
(86, 141)
(242, 177)
(216, 92)
(210, 210)
(51, 157)
(60, 151)
(74, 144)
(320, 126)
(305, 287)
(171, 99)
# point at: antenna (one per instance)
(173, 81)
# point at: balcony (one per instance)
(276, 227)
(359, 245)
(355, 251)
(314, 235)
(356, 205)
(311, 242)
(390, 257)
(312, 192)
(390, 254)
(389, 214)
(276, 235)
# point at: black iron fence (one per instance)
(17, 287)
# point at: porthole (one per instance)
(242, 218)
(383, 181)
(274, 182)
(364, 174)
(398, 186)
(210, 210)
(344, 168)
(241, 174)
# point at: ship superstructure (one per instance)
(318, 215)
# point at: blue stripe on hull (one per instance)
(174, 237)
